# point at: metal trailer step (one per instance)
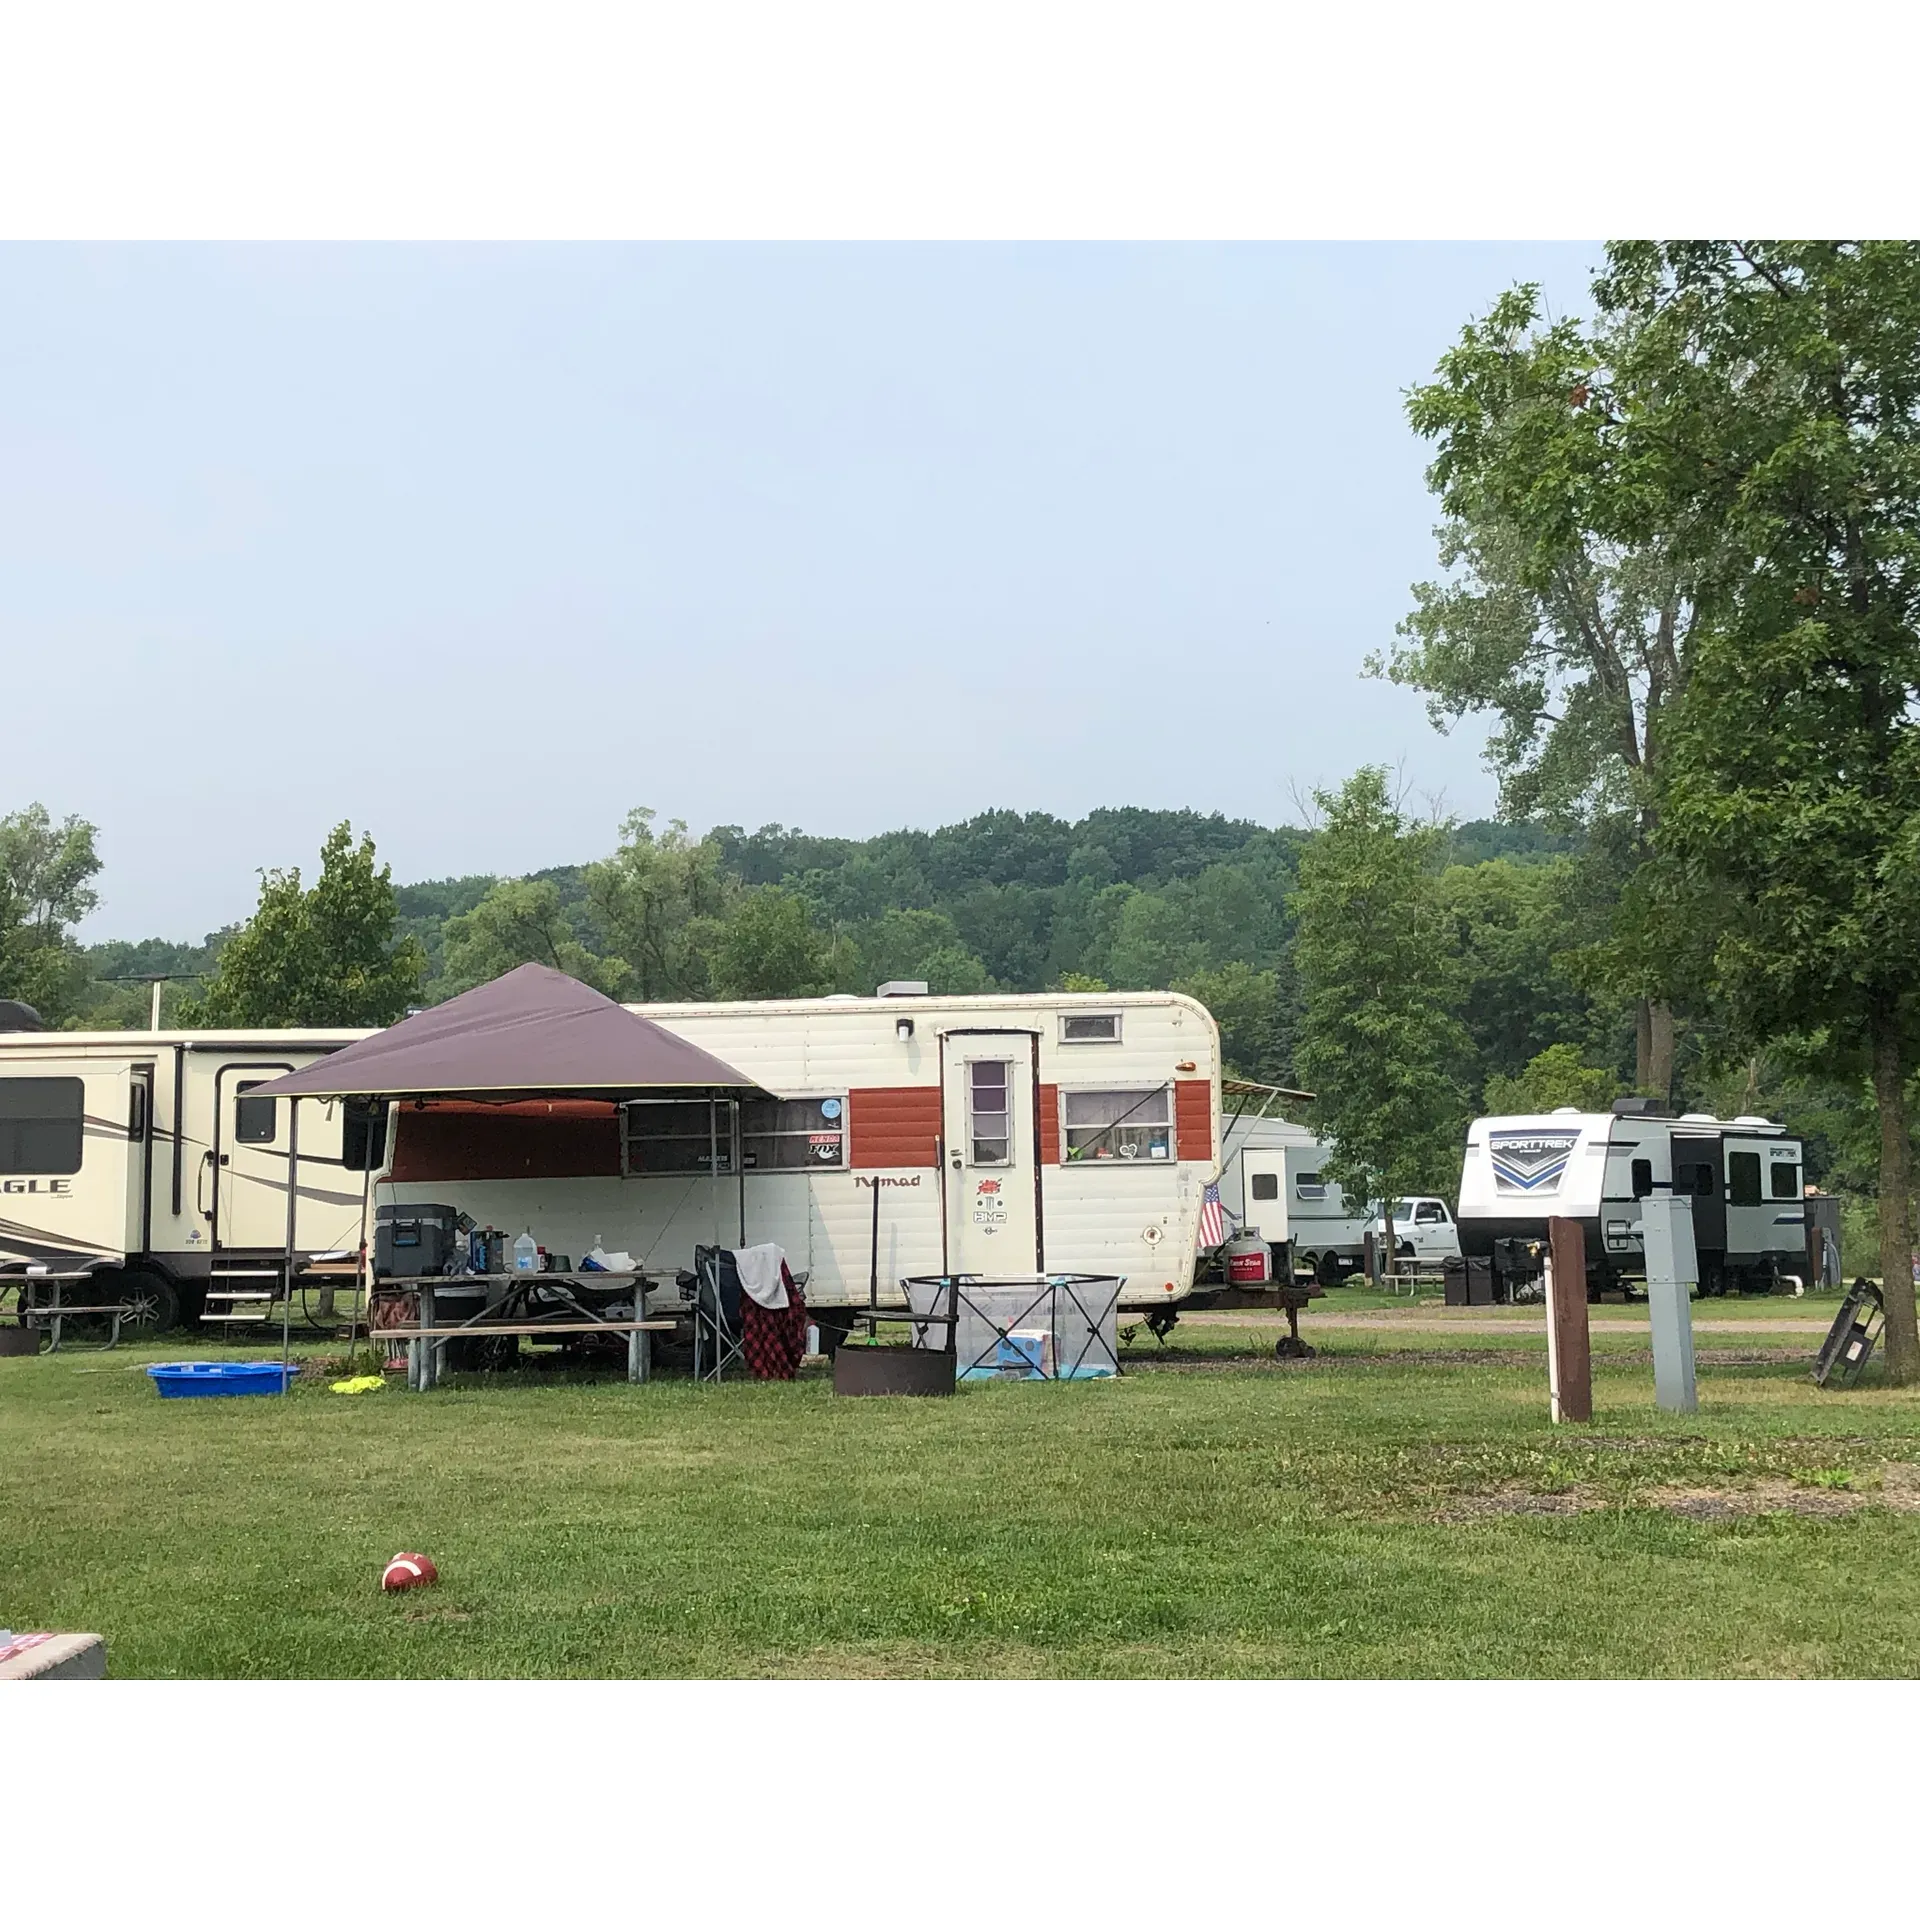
(242, 1296)
(228, 1319)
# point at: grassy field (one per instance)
(1399, 1507)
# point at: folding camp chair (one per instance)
(712, 1291)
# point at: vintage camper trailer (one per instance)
(1744, 1178)
(901, 1135)
(140, 1156)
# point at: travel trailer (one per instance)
(1744, 1178)
(138, 1156)
(907, 1134)
(998, 1134)
(1272, 1182)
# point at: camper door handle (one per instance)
(956, 1163)
(200, 1185)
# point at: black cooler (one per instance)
(412, 1241)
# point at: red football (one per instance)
(408, 1570)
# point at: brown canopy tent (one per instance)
(534, 1031)
(531, 1031)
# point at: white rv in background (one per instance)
(138, 1157)
(1275, 1183)
(1744, 1178)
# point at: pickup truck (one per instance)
(1423, 1231)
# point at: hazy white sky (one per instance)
(481, 547)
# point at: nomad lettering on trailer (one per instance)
(1530, 1162)
(36, 1186)
(886, 1180)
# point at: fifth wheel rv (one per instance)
(1743, 1177)
(138, 1157)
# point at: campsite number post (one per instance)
(1666, 1219)
(1569, 1348)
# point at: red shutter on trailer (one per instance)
(1193, 1118)
(893, 1127)
(1049, 1125)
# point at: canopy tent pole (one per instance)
(713, 1163)
(740, 1167)
(293, 1203)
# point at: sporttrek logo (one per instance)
(1531, 1162)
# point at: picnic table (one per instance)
(515, 1315)
(53, 1313)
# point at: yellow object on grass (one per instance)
(360, 1383)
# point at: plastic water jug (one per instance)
(526, 1254)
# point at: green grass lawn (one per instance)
(1398, 1508)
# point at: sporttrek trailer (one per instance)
(1002, 1134)
(138, 1157)
(1744, 1177)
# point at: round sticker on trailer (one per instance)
(829, 1109)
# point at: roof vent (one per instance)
(1640, 1106)
(1698, 1120)
(1560, 1110)
(1750, 1120)
(900, 989)
(17, 1017)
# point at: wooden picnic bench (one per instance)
(423, 1362)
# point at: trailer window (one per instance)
(1743, 1179)
(255, 1122)
(1642, 1171)
(1309, 1186)
(1786, 1179)
(1078, 1029)
(363, 1135)
(1266, 1186)
(678, 1136)
(989, 1119)
(41, 1125)
(1133, 1123)
(781, 1135)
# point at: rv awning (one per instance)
(533, 1031)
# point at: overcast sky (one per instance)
(481, 547)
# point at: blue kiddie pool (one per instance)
(204, 1379)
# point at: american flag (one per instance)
(1213, 1217)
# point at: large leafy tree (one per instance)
(769, 949)
(1769, 406)
(328, 955)
(47, 870)
(656, 901)
(1566, 614)
(1378, 1042)
(518, 921)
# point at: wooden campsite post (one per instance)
(1569, 1345)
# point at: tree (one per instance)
(1772, 402)
(1378, 1043)
(1253, 1008)
(911, 944)
(656, 901)
(324, 956)
(518, 921)
(1555, 1077)
(1567, 616)
(769, 949)
(47, 871)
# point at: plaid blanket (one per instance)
(774, 1338)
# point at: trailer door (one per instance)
(250, 1152)
(993, 1160)
(1263, 1174)
(1697, 1172)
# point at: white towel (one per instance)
(760, 1274)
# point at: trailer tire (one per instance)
(151, 1294)
(1330, 1271)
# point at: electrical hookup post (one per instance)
(1569, 1345)
(1666, 1219)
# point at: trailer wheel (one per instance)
(149, 1293)
(1330, 1271)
